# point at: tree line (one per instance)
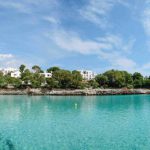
(65, 79)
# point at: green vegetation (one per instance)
(121, 79)
(65, 79)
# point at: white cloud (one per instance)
(116, 42)
(145, 17)
(72, 42)
(16, 5)
(51, 19)
(6, 59)
(144, 69)
(119, 60)
(128, 47)
(36, 11)
(146, 66)
(10, 60)
(97, 11)
(146, 20)
(110, 48)
(41, 2)
(5, 56)
(29, 6)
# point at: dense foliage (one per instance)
(120, 79)
(65, 79)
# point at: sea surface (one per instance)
(75, 122)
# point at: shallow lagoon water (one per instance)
(75, 122)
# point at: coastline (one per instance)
(77, 92)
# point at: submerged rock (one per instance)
(10, 145)
(6, 144)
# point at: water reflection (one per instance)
(16, 107)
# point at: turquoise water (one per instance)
(75, 123)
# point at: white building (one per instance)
(46, 74)
(7, 70)
(87, 74)
(16, 74)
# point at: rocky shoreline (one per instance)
(85, 92)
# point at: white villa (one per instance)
(16, 74)
(87, 74)
(46, 74)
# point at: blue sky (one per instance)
(76, 34)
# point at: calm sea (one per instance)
(75, 123)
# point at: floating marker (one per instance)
(76, 105)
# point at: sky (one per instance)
(95, 35)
